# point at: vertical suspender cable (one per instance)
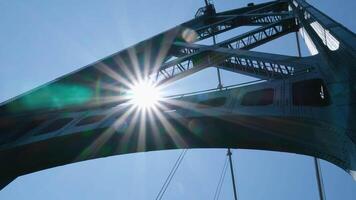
(217, 68)
(214, 42)
(171, 174)
(319, 179)
(221, 181)
(232, 173)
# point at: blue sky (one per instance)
(42, 40)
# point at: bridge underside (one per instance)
(303, 105)
(224, 130)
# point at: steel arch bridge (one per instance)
(304, 105)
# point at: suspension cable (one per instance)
(221, 181)
(171, 174)
(220, 86)
(319, 179)
(229, 153)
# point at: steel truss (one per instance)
(80, 128)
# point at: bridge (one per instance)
(304, 105)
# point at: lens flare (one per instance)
(145, 95)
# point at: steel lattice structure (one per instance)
(304, 105)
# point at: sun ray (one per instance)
(113, 74)
(93, 148)
(147, 60)
(141, 143)
(145, 101)
(135, 63)
(154, 128)
(130, 129)
(170, 130)
(164, 48)
(125, 68)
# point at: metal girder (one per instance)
(43, 129)
(261, 65)
(272, 6)
(215, 23)
(249, 39)
(271, 65)
(227, 24)
(246, 40)
(261, 35)
(308, 14)
(337, 60)
(267, 127)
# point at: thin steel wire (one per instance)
(221, 181)
(171, 174)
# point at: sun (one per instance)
(145, 95)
